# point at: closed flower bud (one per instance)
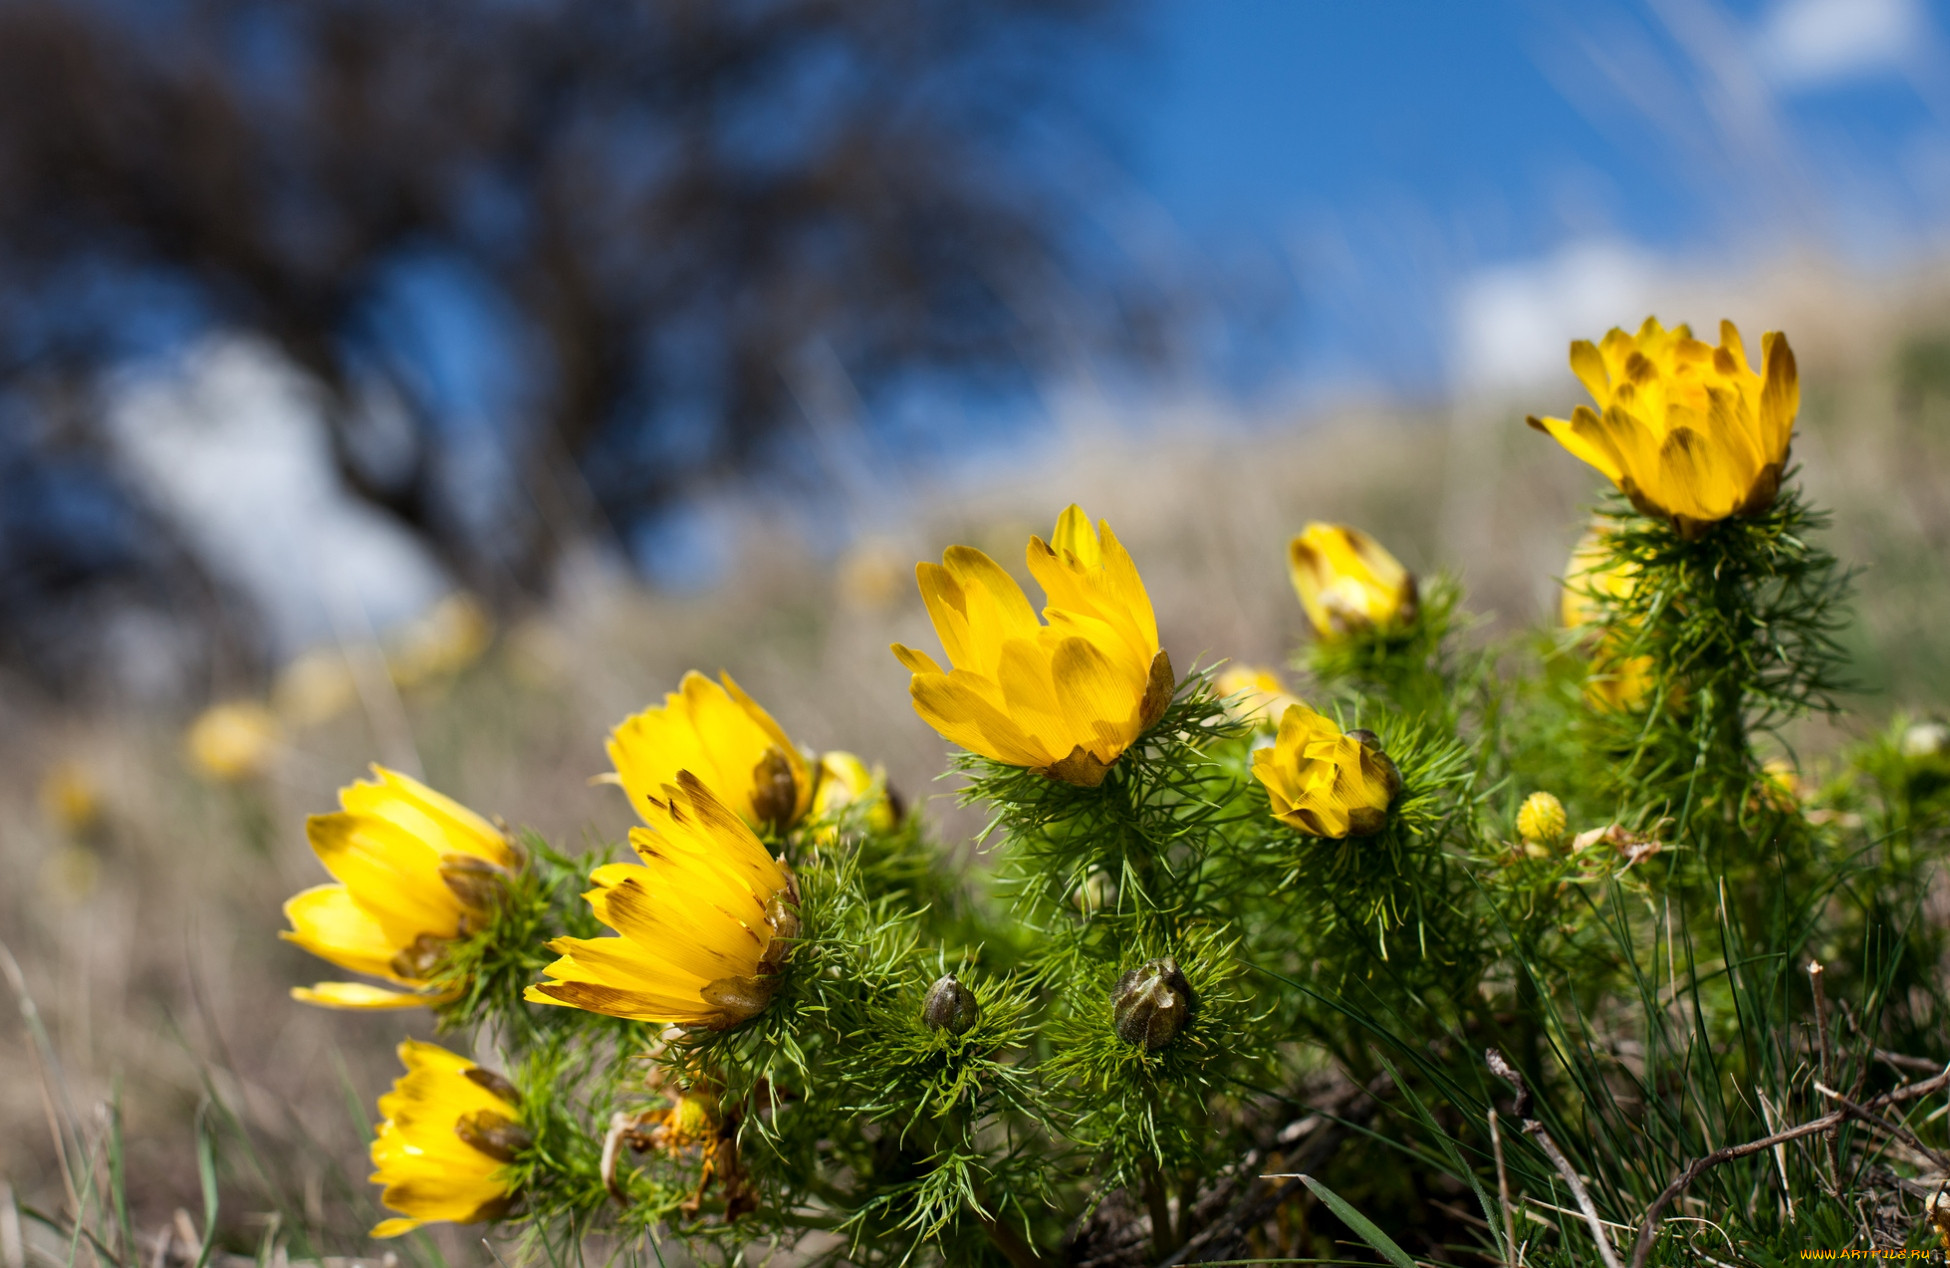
(950, 1006)
(1348, 582)
(1324, 783)
(1540, 820)
(1095, 893)
(1152, 1004)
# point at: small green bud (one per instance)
(1152, 1004)
(1097, 892)
(950, 1006)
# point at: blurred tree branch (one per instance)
(674, 198)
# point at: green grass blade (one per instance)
(1363, 1227)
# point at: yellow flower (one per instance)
(844, 784)
(1253, 695)
(1065, 699)
(415, 870)
(706, 921)
(450, 1129)
(1348, 582)
(1615, 682)
(1540, 820)
(235, 740)
(720, 735)
(70, 798)
(315, 687)
(1325, 783)
(443, 640)
(1779, 787)
(1689, 432)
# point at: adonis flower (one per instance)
(415, 871)
(1064, 698)
(1324, 783)
(847, 786)
(1616, 682)
(450, 1130)
(1690, 432)
(722, 736)
(1348, 582)
(704, 921)
(233, 741)
(1253, 695)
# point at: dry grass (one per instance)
(150, 944)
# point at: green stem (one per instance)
(1160, 1208)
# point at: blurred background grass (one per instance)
(246, 449)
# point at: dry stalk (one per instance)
(1504, 1070)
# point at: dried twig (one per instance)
(1649, 1226)
(1815, 976)
(1503, 1194)
(1900, 1132)
(1531, 1127)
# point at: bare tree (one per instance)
(672, 198)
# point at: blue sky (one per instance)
(1386, 153)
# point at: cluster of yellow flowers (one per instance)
(705, 918)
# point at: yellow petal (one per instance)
(358, 995)
(1099, 705)
(328, 923)
(392, 874)
(445, 824)
(963, 716)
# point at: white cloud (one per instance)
(1514, 322)
(231, 444)
(1810, 43)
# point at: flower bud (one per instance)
(1095, 893)
(775, 789)
(1540, 820)
(950, 1006)
(1926, 739)
(1152, 1004)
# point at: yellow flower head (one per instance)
(1540, 820)
(415, 870)
(1253, 695)
(1348, 582)
(442, 641)
(705, 921)
(719, 734)
(1689, 432)
(1779, 787)
(316, 686)
(233, 741)
(1064, 698)
(450, 1129)
(844, 783)
(1615, 682)
(1325, 783)
(70, 798)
